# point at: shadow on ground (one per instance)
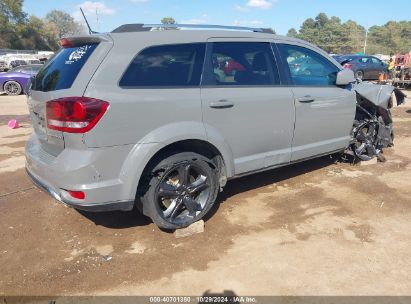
(121, 220)
(117, 219)
(20, 118)
(258, 180)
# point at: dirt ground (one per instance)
(315, 228)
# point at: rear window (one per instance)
(166, 66)
(60, 71)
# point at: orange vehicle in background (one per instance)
(402, 70)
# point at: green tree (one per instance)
(334, 36)
(66, 24)
(292, 32)
(391, 37)
(11, 17)
(168, 20)
(32, 35)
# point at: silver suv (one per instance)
(161, 119)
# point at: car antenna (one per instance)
(90, 31)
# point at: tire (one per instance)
(359, 75)
(179, 190)
(12, 88)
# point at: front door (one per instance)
(244, 104)
(324, 111)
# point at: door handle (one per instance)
(306, 99)
(222, 104)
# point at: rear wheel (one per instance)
(12, 88)
(181, 190)
(359, 75)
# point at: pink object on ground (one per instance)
(13, 124)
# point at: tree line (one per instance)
(18, 30)
(349, 37)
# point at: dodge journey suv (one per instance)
(147, 117)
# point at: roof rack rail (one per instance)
(140, 27)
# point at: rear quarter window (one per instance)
(60, 71)
(166, 66)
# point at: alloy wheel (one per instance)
(182, 192)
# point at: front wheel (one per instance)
(12, 88)
(181, 190)
(364, 147)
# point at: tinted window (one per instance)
(60, 72)
(307, 67)
(242, 63)
(375, 60)
(35, 69)
(166, 65)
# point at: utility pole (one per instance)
(365, 42)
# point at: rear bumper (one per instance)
(96, 172)
(101, 207)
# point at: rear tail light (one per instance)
(74, 114)
(347, 66)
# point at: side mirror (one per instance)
(345, 77)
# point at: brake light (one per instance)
(74, 114)
(65, 43)
(347, 66)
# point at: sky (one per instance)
(280, 15)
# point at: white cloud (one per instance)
(138, 1)
(90, 8)
(262, 4)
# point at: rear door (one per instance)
(249, 109)
(366, 67)
(65, 75)
(324, 111)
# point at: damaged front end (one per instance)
(373, 128)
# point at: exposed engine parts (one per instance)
(373, 128)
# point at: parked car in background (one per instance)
(16, 62)
(364, 67)
(3, 66)
(305, 66)
(33, 61)
(14, 82)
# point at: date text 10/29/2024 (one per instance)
(204, 299)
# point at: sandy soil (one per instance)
(316, 228)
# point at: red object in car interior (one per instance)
(347, 66)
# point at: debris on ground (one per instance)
(107, 257)
(197, 227)
(369, 162)
(13, 124)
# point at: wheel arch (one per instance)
(199, 146)
(143, 156)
